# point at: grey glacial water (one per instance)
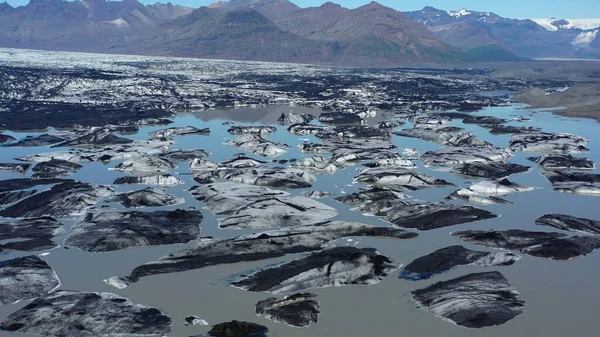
(561, 297)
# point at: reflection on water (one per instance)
(561, 297)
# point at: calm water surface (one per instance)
(561, 297)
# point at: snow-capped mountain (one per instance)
(553, 24)
(475, 32)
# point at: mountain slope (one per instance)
(271, 9)
(89, 25)
(371, 35)
(241, 34)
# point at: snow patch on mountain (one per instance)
(585, 38)
(459, 13)
(554, 24)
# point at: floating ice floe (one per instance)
(14, 167)
(450, 257)
(194, 320)
(78, 313)
(8, 197)
(184, 155)
(478, 199)
(298, 310)
(512, 239)
(96, 136)
(277, 177)
(64, 200)
(146, 166)
(289, 118)
(249, 206)
(34, 234)
(25, 278)
(554, 246)
(105, 153)
(334, 267)
(55, 168)
(574, 182)
(252, 130)
(563, 162)
(491, 170)
(317, 164)
(26, 183)
(458, 156)
(147, 197)
(104, 231)
(42, 140)
(357, 132)
(544, 142)
(241, 161)
(340, 118)
(348, 146)
(305, 129)
(425, 216)
(259, 246)
(316, 194)
(165, 180)
(238, 329)
(367, 195)
(472, 301)
(170, 133)
(259, 145)
(400, 176)
(510, 130)
(494, 187)
(4, 139)
(569, 223)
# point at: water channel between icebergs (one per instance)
(561, 297)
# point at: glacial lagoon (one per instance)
(560, 296)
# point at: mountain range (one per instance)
(278, 30)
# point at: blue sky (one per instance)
(508, 8)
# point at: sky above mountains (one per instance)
(507, 8)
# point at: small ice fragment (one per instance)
(116, 282)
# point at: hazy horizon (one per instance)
(528, 9)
